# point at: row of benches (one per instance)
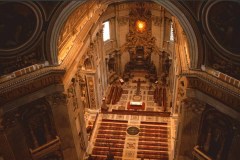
(153, 141)
(114, 94)
(160, 97)
(110, 137)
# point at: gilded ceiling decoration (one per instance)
(18, 23)
(223, 22)
(140, 30)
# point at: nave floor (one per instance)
(132, 136)
(148, 138)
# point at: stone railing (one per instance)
(45, 149)
(199, 155)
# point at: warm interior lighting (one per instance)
(141, 26)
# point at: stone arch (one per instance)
(175, 8)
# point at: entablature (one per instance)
(29, 83)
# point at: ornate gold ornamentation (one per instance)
(140, 31)
(91, 89)
(72, 96)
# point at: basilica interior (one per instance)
(119, 80)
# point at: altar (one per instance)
(135, 105)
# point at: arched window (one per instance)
(171, 32)
(106, 31)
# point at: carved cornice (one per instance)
(30, 83)
(217, 79)
(212, 90)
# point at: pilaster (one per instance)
(58, 104)
(189, 121)
(14, 144)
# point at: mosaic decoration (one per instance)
(124, 97)
(150, 103)
(150, 98)
(149, 109)
(131, 145)
(121, 108)
(123, 103)
(133, 130)
(149, 118)
(120, 116)
(223, 21)
(137, 98)
(129, 154)
(133, 117)
(18, 24)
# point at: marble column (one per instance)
(61, 117)
(189, 121)
(81, 118)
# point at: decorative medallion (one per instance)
(137, 98)
(223, 23)
(133, 130)
(18, 24)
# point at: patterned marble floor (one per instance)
(146, 96)
(131, 148)
(110, 130)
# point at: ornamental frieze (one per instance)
(30, 87)
(213, 91)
